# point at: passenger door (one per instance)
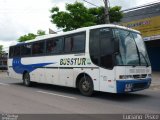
(101, 52)
(106, 60)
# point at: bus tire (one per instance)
(26, 79)
(85, 86)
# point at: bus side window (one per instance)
(75, 43)
(101, 47)
(54, 45)
(11, 52)
(51, 45)
(68, 46)
(79, 43)
(26, 50)
(38, 48)
(94, 46)
(106, 48)
(16, 51)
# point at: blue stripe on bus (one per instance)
(121, 84)
(18, 67)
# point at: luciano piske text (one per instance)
(141, 116)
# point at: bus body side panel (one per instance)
(66, 68)
(30, 65)
(93, 73)
(107, 80)
(57, 74)
(52, 70)
(66, 77)
(12, 73)
(70, 66)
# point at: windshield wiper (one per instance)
(144, 59)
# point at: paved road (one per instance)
(16, 98)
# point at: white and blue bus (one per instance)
(108, 58)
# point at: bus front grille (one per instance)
(139, 76)
(137, 86)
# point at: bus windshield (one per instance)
(132, 50)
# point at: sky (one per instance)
(19, 17)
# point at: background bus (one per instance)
(3, 61)
(106, 58)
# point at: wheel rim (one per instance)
(26, 79)
(85, 85)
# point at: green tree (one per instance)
(98, 13)
(31, 36)
(77, 16)
(1, 49)
(115, 14)
(40, 32)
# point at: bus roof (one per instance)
(76, 31)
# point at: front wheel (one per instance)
(26, 80)
(86, 86)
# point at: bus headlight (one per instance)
(149, 75)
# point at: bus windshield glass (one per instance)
(132, 50)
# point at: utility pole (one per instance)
(106, 11)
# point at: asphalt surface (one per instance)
(50, 99)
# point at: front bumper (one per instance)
(132, 85)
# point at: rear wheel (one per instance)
(26, 79)
(86, 86)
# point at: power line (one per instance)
(90, 3)
(152, 9)
(140, 14)
(142, 6)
